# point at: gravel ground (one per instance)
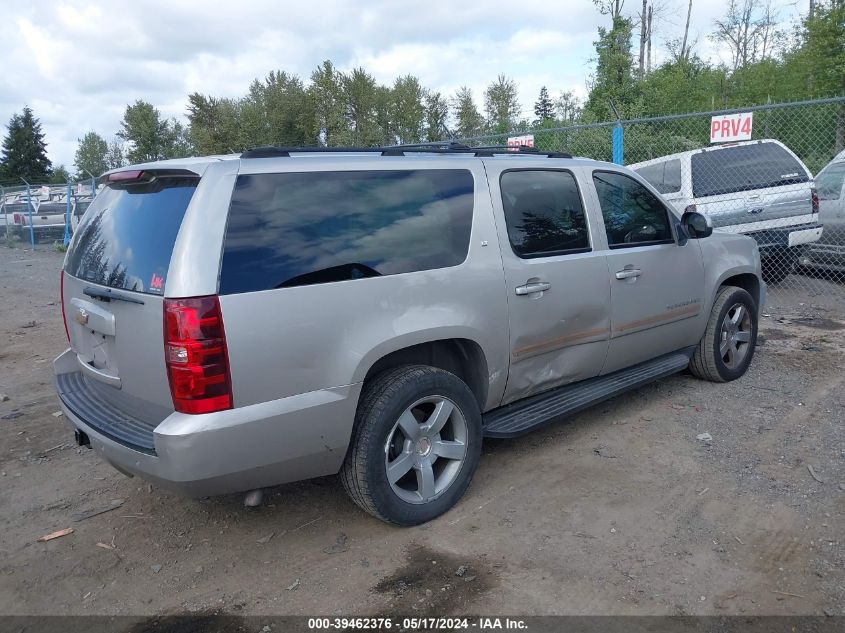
(619, 510)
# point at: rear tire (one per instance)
(727, 347)
(415, 447)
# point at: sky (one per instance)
(77, 64)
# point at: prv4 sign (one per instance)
(526, 140)
(731, 127)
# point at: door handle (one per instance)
(629, 273)
(536, 286)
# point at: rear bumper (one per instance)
(250, 447)
(825, 257)
(42, 230)
(773, 241)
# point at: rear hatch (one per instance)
(112, 294)
(743, 185)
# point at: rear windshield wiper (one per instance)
(110, 295)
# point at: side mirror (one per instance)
(696, 225)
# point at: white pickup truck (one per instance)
(758, 188)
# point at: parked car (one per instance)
(828, 254)
(757, 188)
(246, 321)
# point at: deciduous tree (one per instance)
(91, 155)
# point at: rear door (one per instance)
(556, 281)
(656, 284)
(113, 286)
(745, 185)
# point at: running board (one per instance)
(533, 412)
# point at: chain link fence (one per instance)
(773, 172)
(43, 213)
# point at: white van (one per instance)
(759, 188)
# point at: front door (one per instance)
(656, 284)
(558, 295)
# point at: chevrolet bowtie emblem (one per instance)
(82, 316)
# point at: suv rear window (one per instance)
(128, 234)
(743, 168)
(296, 229)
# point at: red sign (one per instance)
(157, 282)
(731, 127)
(526, 140)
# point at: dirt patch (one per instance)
(820, 323)
(433, 582)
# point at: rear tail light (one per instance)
(19, 218)
(815, 197)
(62, 298)
(196, 356)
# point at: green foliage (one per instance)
(407, 111)
(544, 108)
(115, 157)
(151, 137)
(468, 120)
(501, 104)
(24, 153)
(614, 77)
(327, 97)
(436, 114)
(91, 155)
(60, 176)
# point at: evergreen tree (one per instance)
(544, 108)
(24, 153)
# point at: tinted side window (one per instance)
(671, 176)
(664, 176)
(743, 168)
(653, 174)
(295, 229)
(633, 216)
(543, 213)
(829, 182)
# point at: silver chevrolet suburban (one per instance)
(241, 321)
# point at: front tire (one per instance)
(415, 447)
(727, 347)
